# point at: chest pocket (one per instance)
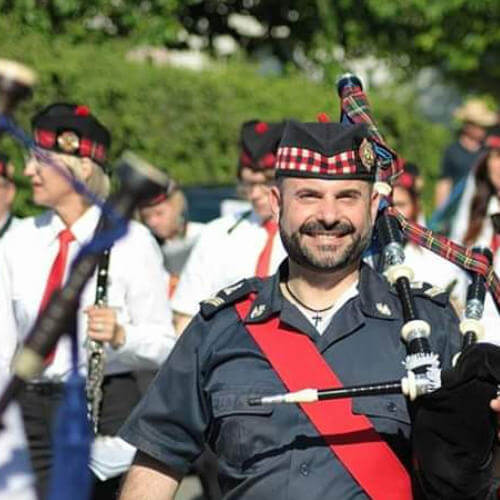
(244, 436)
(388, 415)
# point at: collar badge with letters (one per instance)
(383, 309)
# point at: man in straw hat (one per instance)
(474, 118)
(324, 316)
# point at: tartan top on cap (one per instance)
(326, 150)
(258, 142)
(73, 130)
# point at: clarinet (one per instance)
(96, 356)
(423, 374)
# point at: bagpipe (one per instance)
(137, 180)
(454, 431)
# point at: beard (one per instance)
(327, 257)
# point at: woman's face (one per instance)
(493, 166)
(402, 201)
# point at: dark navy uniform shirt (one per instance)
(273, 452)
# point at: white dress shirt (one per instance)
(226, 252)
(3, 221)
(137, 288)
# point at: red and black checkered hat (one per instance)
(6, 170)
(73, 130)
(258, 142)
(327, 151)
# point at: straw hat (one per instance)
(475, 111)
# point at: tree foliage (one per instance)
(459, 37)
(188, 122)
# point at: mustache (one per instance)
(318, 228)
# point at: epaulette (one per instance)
(437, 294)
(226, 297)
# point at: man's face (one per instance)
(325, 225)
(257, 188)
(474, 131)
(161, 219)
(50, 189)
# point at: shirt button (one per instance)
(391, 407)
(304, 469)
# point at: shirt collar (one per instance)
(83, 229)
(375, 297)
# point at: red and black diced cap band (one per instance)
(72, 129)
(326, 150)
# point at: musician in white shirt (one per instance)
(234, 247)
(135, 327)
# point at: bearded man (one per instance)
(323, 318)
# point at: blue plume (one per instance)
(71, 477)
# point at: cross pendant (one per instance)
(316, 320)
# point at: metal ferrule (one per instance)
(394, 254)
(474, 309)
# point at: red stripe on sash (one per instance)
(351, 438)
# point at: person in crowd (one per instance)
(7, 195)
(236, 246)
(324, 316)
(166, 215)
(464, 152)
(483, 224)
(134, 322)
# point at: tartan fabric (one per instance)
(356, 109)
(47, 139)
(305, 160)
(457, 254)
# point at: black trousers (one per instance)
(39, 404)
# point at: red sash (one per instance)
(351, 438)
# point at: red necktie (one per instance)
(262, 269)
(495, 243)
(55, 278)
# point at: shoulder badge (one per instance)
(226, 297)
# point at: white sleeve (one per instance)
(9, 335)
(149, 333)
(196, 280)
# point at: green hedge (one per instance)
(187, 122)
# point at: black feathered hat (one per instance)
(327, 151)
(258, 142)
(73, 130)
